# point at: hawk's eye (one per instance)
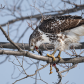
(31, 44)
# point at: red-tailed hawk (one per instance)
(62, 31)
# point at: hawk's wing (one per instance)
(60, 24)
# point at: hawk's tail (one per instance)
(78, 30)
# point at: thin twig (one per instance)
(8, 38)
(31, 75)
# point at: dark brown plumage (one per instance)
(60, 23)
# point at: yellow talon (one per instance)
(51, 56)
(50, 72)
(59, 56)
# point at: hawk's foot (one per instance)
(52, 55)
(59, 56)
(50, 72)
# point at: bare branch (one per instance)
(39, 16)
(8, 38)
(43, 47)
(42, 58)
(32, 74)
(69, 2)
(1, 7)
(73, 66)
(60, 73)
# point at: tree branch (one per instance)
(38, 16)
(32, 74)
(73, 66)
(42, 58)
(8, 38)
(25, 46)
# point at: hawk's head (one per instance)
(32, 44)
(35, 40)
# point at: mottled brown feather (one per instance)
(60, 23)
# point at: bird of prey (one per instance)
(62, 31)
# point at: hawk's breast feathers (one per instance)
(62, 31)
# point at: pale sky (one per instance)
(74, 76)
